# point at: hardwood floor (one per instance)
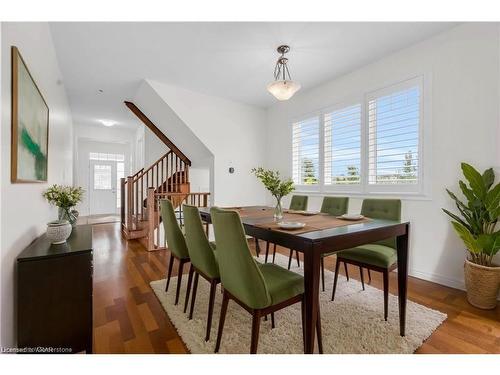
(129, 319)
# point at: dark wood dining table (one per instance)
(315, 243)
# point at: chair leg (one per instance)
(386, 293)
(255, 332)
(318, 332)
(346, 273)
(298, 259)
(179, 282)
(290, 258)
(170, 266)
(274, 252)
(257, 247)
(272, 321)
(213, 288)
(193, 297)
(323, 273)
(222, 319)
(337, 265)
(369, 276)
(362, 277)
(188, 291)
(303, 318)
(267, 252)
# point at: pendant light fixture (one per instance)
(282, 88)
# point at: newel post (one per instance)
(152, 214)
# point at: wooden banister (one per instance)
(155, 237)
(152, 166)
(157, 132)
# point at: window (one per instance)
(369, 145)
(104, 157)
(343, 146)
(102, 177)
(305, 149)
(120, 173)
(393, 145)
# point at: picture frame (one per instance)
(30, 125)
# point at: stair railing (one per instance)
(170, 173)
(156, 234)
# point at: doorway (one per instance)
(106, 172)
(101, 167)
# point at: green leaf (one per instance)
(475, 180)
(493, 197)
(469, 194)
(457, 201)
(467, 237)
(488, 178)
(457, 218)
(489, 243)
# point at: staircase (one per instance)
(167, 178)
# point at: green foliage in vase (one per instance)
(273, 182)
(63, 196)
(479, 213)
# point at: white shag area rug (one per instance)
(353, 323)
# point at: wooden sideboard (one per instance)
(54, 294)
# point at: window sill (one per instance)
(395, 195)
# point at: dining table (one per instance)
(324, 234)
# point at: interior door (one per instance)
(102, 187)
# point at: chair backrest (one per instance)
(387, 209)
(173, 234)
(298, 203)
(201, 253)
(335, 206)
(239, 273)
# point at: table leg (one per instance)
(402, 247)
(311, 291)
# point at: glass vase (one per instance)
(278, 211)
(67, 213)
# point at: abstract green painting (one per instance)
(30, 126)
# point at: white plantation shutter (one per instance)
(393, 136)
(343, 146)
(305, 151)
(372, 144)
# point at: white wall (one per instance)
(99, 139)
(139, 159)
(24, 219)
(233, 132)
(463, 64)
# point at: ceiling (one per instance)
(230, 60)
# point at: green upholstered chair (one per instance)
(261, 289)
(176, 243)
(203, 261)
(298, 203)
(335, 206)
(380, 256)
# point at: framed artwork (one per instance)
(30, 125)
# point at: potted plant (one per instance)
(277, 187)
(476, 226)
(65, 198)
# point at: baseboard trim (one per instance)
(438, 279)
(446, 281)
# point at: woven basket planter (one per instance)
(482, 284)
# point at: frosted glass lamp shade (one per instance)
(283, 90)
